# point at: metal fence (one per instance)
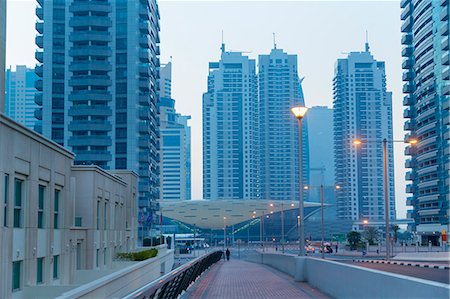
(174, 283)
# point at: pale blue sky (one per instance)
(319, 32)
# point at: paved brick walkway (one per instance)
(239, 279)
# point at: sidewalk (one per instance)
(240, 279)
(407, 263)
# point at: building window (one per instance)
(97, 257)
(40, 271)
(98, 214)
(56, 267)
(105, 212)
(16, 275)
(18, 193)
(41, 207)
(56, 210)
(6, 201)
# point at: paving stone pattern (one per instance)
(240, 279)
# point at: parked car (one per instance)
(327, 249)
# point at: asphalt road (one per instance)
(438, 275)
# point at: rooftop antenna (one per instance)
(367, 41)
(223, 44)
(274, 42)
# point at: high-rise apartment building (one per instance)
(230, 129)
(363, 111)
(2, 53)
(98, 63)
(426, 72)
(321, 157)
(20, 92)
(280, 90)
(175, 144)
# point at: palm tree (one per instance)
(395, 228)
(371, 235)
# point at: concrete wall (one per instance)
(125, 281)
(348, 281)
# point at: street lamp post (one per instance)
(386, 187)
(299, 113)
(224, 235)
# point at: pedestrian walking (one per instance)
(336, 247)
(227, 253)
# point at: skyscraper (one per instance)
(175, 145)
(321, 157)
(279, 90)
(427, 95)
(20, 92)
(362, 110)
(230, 129)
(2, 53)
(98, 94)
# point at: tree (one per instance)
(353, 238)
(371, 235)
(395, 228)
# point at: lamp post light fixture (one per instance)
(411, 141)
(299, 112)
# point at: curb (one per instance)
(412, 264)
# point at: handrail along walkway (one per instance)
(175, 282)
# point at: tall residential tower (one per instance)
(426, 75)
(279, 90)
(20, 92)
(98, 63)
(363, 111)
(230, 129)
(2, 53)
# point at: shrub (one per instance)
(139, 255)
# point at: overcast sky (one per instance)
(318, 32)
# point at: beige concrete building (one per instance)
(56, 218)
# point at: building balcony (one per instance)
(407, 51)
(145, 42)
(446, 74)
(100, 156)
(89, 95)
(88, 110)
(144, 56)
(144, 173)
(144, 99)
(144, 114)
(144, 158)
(158, 50)
(409, 150)
(144, 13)
(39, 70)
(444, 43)
(81, 36)
(409, 87)
(144, 128)
(97, 140)
(90, 80)
(39, 41)
(91, 125)
(38, 84)
(445, 59)
(409, 163)
(38, 113)
(407, 39)
(407, 63)
(408, 126)
(144, 70)
(444, 15)
(444, 28)
(410, 201)
(409, 176)
(38, 98)
(40, 27)
(407, 100)
(403, 3)
(409, 188)
(410, 214)
(144, 27)
(97, 21)
(144, 85)
(40, 13)
(408, 75)
(97, 6)
(41, 2)
(446, 90)
(407, 24)
(38, 126)
(444, 2)
(39, 55)
(406, 12)
(90, 51)
(93, 65)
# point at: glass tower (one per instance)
(98, 68)
(280, 90)
(363, 111)
(426, 87)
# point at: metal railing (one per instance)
(174, 283)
